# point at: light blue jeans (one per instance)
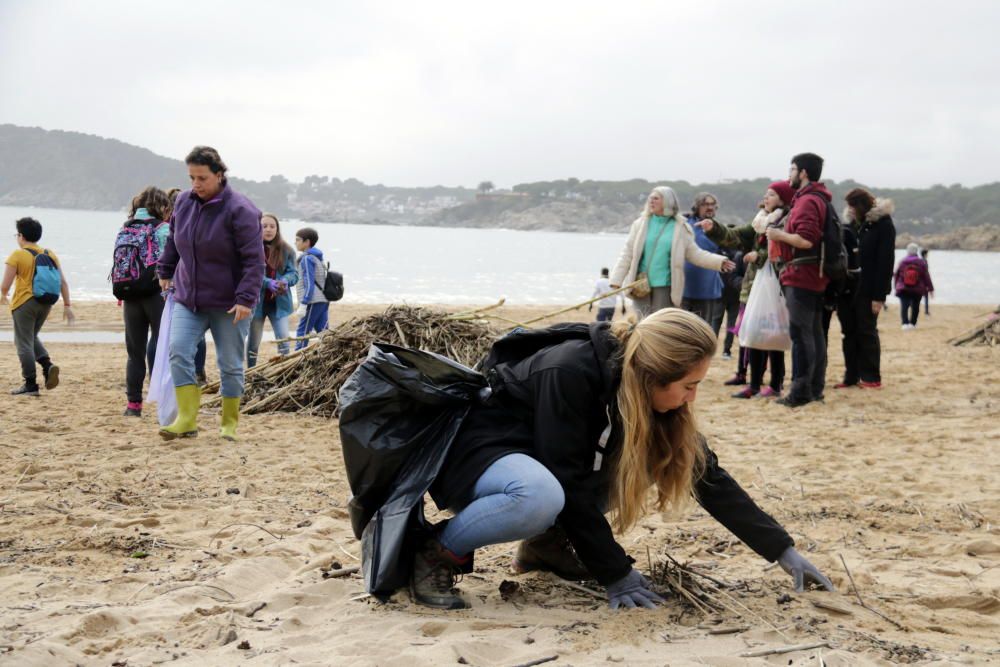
(280, 326)
(516, 498)
(187, 329)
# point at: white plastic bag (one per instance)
(161, 384)
(765, 320)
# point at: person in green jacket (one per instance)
(752, 241)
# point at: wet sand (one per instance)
(117, 547)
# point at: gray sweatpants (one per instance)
(28, 320)
(657, 299)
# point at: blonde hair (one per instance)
(662, 450)
(671, 205)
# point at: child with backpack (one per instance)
(314, 307)
(38, 283)
(912, 282)
(138, 247)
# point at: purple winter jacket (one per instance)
(215, 253)
(924, 284)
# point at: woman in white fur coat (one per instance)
(658, 244)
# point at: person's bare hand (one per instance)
(166, 284)
(877, 307)
(241, 313)
(775, 234)
(706, 225)
(750, 257)
(68, 316)
(728, 266)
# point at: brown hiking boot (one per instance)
(435, 571)
(550, 552)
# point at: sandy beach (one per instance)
(119, 549)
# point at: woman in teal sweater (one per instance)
(275, 302)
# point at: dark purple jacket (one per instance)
(215, 253)
(924, 284)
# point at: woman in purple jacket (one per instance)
(913, 281)
(214, 261)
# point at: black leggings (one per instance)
(759, 360)
(142, 318)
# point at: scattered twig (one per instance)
(578, 587)
(582, 304)
(540, 661)
(342, 572)
(784, 649)
(857, 594)
(242, 524)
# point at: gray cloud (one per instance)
(890, 93)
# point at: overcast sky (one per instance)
(452, 93)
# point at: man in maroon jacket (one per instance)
(803, 285)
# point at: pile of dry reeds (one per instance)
(309, 380)
(987, 333)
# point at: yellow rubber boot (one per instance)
(230, 418)
(186, 423)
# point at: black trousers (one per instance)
(759, 361)
(861, 345)
(142, 318)
(909, 304)
(805, 314)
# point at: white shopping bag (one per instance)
(765, 320)
(161, 384)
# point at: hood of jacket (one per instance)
(881, 209)
(315, 252)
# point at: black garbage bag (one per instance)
(399, 414)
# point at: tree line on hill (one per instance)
(58, 169)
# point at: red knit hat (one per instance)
(784, 191)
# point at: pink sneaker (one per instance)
(870, 385)
(768, 392)
(749, 392)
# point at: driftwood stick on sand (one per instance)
(540, 661)
(857, 594)
(471, 314)
(578, 587)
(582, 304)
(784, 649)
(342, 572)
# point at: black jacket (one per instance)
(876, 250)
(554, 404)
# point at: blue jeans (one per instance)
(516, 498)
(316, 319)
(188, 327)
(280, 326)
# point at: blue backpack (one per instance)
(46, 281)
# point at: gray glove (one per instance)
(631, 591)
(795, 564)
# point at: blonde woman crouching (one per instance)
(574, 429)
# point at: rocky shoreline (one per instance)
(985, 238)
